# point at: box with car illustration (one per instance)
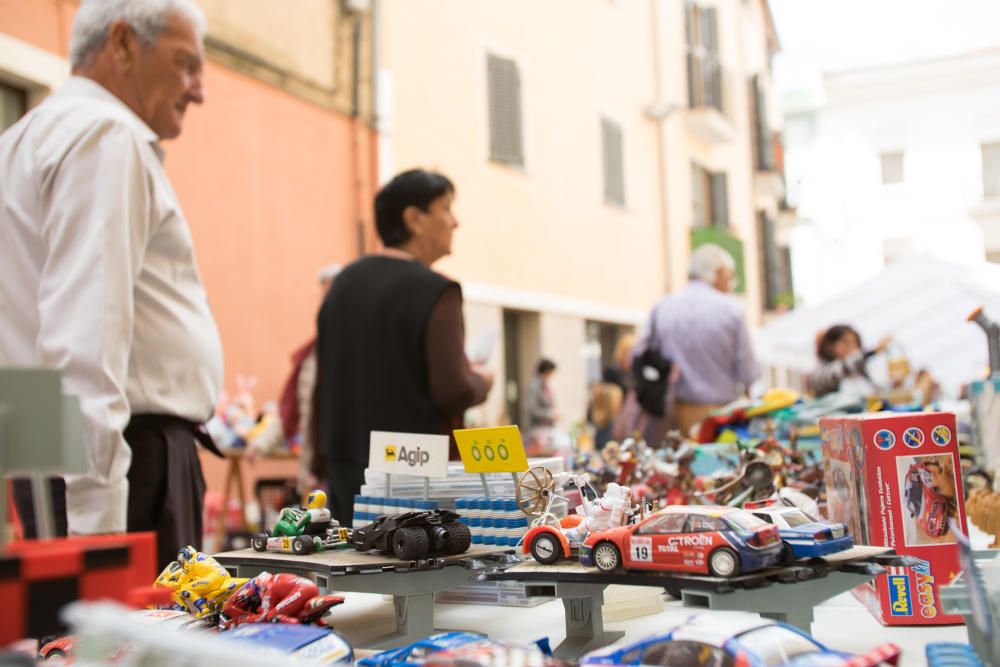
(892, 479)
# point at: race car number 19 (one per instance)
(641, 549)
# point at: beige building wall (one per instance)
(541, 238)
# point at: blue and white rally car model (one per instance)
(294, 644)
(734, 640)
(804, 536)
(417, 652)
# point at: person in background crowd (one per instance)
(295, 404)
(100, 279)
(842, 362)
(620, 371)
(703, 330)
(540, 402)
(390, 347)
(605, 405)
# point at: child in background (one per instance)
(843, 360)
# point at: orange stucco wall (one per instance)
(273, 188)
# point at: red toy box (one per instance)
(892, 479)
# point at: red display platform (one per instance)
(39, 577)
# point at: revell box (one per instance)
(892, 479)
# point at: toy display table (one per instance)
(412, 584)
(581, 589)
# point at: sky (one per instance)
(832, 35)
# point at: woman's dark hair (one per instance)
(824, 346)
(411, 188)
(545, 365)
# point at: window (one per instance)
(776, 266)
(504, 82)
(614, 163)
(760, 131)
(892, 168)
(13, 105)
(698, 523)
(703, 68)
(710, 193)
(991, 170)
(667, 523)
(686, 654)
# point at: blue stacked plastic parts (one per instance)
(369, 508)
(949, 654)
(494, 521)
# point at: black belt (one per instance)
(197, 430)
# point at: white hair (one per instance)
(148, 18)
(328, 273)
(707, 260)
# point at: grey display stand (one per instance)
(783, 593)
(412, 584)
(582, 605)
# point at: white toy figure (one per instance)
(610, 511)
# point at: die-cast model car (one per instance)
(734, 640)
(706, 539)
(804, 536)
(925, 503)
(417, 652)
(490, 653)
(294, 644)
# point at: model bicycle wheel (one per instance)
(410, 543)
(545, 548)
(724, 562)
(607, 557)
(259, 542)
(533, 489)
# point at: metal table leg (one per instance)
(584, 619)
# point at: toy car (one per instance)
(736, 640)
(804, 536)
(924, 502)
(296, 644)
(414, 535)
(418, 651)
(304, 530)
(61, 648)
(490, 653)
(707, 539)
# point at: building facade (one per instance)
(893, 160)
(592, 142)
(276, 171)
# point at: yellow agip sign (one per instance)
(497, 449)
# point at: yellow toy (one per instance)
(200, 585)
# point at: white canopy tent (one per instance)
(923, 303)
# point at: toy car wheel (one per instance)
(545, 548)
(56, 654)
(410, 543)
(787, 555)
(459, 538)
(259, 542)
(724, 562)
(302, 545)
(673, 591)
(607, 557)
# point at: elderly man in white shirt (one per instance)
(99, 278)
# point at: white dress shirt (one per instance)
(100, 282)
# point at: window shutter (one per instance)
(699, 197)
(690, 21)
(504, 83)
(720, 200)
(709, 29)
(763, 141)
(614, 164)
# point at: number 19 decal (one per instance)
(641, 549)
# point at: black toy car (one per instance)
(415, 535)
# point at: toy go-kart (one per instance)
(414, 535)
(705, 539)
(804, 536)
(924, 502)
(304, 530)
(550, 538)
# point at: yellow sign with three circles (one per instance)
(497, 449)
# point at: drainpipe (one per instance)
(992, 331)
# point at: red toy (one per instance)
(924, 502)
(707, 539)
(277, 598)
